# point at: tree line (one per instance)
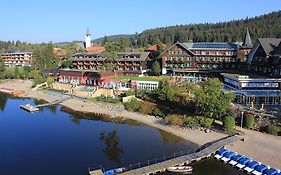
(268, 25)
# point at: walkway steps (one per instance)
(162, 166)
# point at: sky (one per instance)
(38, 21)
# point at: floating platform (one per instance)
(96, 172)
(29, 108)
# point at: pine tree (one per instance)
(156, 69)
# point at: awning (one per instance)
(261, 168)
(252, 164)
(237, 157)
(270, 171)
(244, 160)
(229, 154)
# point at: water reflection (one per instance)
(75, 119)
(3, 101)
(112, 150)
(168, 137)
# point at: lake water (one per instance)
(53, 142)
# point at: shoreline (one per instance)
(259, 146)
(196, 136)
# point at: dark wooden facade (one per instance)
(198, 57)
(133, 62)
(265, 57)
(88, 61)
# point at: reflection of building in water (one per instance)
(258, 90)
(112, 150)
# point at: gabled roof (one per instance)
(125, 56)
(270, 45)
(85, 57)
(278, 50)
(247, 41)
(210, 45)
(154, 47)
(180, 44)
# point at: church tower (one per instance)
(88, 39)
(247, 41)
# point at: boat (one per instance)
(180, 169)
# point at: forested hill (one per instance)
(268, 25)
(112, 37)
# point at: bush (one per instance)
(146, 107)
(228, 123)
(191, 122)
(272, 129)
(133, 105)
(129, 93)
(206, 122)
(157, 112)
(108, 99)
(249, 121)
(174, 119)
(50, 81)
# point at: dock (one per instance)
(35, 108)
(161, 165)
(29, 108)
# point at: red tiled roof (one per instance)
(95, 48)
(154, 47)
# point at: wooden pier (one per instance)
(162, 166)
(35, 108)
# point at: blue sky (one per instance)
(67, 20)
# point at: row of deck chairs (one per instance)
(244, 163)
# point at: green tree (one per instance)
(156, 69)
(133, 105)
(272, 129)
(249, 121)
(2, 68)
(66, 64)
(37, 60)
(165, 91)
(104, 42)
(228, 123)
(211, 101)
(17, 73)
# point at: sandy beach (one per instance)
(259, 146)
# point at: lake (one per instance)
(55, 142)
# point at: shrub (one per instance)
(206, 122)
(146, 107)
(129, 93)
(157, 112)
(50, 81)
(249, 121)
(228, 123)
(133, 105)
(272, 129)
(190, 121)
(174, 119)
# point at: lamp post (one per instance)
(242, 113)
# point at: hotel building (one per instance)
(12, 59)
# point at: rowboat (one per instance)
(180, 169)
